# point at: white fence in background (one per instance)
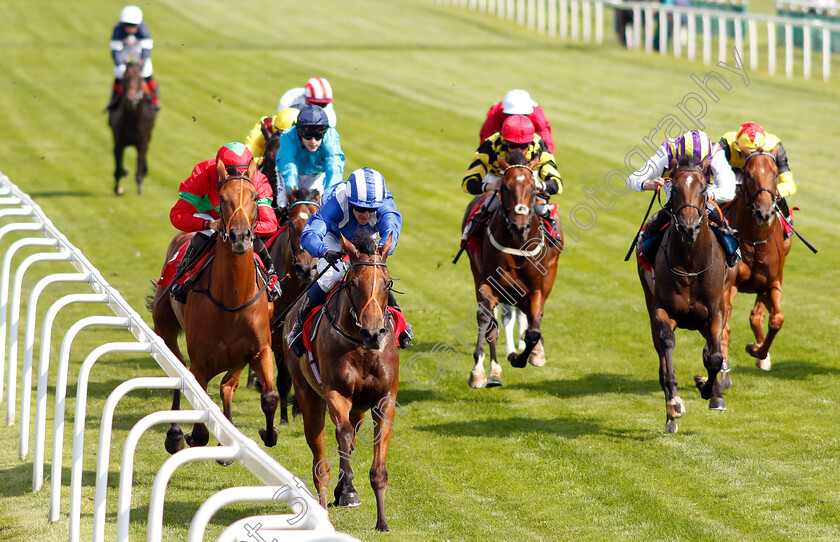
(308, 522)
(583, 20)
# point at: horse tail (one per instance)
(150, 299)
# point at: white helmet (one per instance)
(518, 102)
(131, 15)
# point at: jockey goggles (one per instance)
(363, 209)
(311, 133)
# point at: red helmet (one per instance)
(518, 129)
(235, 155)
(318, 91)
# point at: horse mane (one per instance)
(305, 194)
(686, 161)
(364, 242)
(517, 157)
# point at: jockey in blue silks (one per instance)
(361, 203)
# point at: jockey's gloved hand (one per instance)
(333, 256)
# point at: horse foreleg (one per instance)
(141, 166)
(119, 171)
(378, 472)
(492, 336)
(478, 378)
(312, 409)
(772, 299)
(200, 436)
(664, 340)
(725, 378)
(339, 407)
(533, 334)
(167, 327)
(264, 367)
(757, 326)
(508, 317)
(713, 361)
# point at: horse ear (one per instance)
(348, 248)
(704, 165)
(220, 170)
(385, 249)
(532, 165)
(502, 163)
(252, 168)
(673, 165)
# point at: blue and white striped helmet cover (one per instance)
(367, 188)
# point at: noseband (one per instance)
(751, 197)
(358, 316)
(223, 234)
(520, 208)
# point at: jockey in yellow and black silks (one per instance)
(750, 138)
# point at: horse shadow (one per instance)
(786, 369)
(590, 384)
(562, 426)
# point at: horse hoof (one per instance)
(717, 403)
(671, 426)
(477, 380)
(284, 423)
(225, 462)
(174, 441)
(763, 364)
(348, 500)
(269, 438)
(119, 190)
(494, 381)
(517, 361)
(675, 408)
(725, 367)
(725, 381)
(382, 527)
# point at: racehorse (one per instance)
(689, 290)
(517, 265)
(763, 247)
(226, 317)
(357, 370)
(131, 122)
(268, 167)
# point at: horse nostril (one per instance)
(364, 334)
(382, 331)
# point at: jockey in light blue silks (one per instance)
(310, 155)
(361, 203)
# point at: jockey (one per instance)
(517, 102)
(132, 42)
(361, 203)
(310, 155)
(197, 210)
(316, 92)
(750, 138)
(484, 173)
(650, 177)
(256, 140)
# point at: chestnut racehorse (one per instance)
(516, 266)
(358, 366)
(226, 317)
(763, 247)
(131, 124)
(689, 290)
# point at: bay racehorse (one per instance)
(689, 290)
(131, 122)
(754, 214)
(357, 361)
(516, 266)
(226, 317)
(268, 167)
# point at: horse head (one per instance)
(237, 206)
(132, 83)
(758, 183)
(518, 193)
(303, 203)
(368, 284)
(688, 197)
(272, 145)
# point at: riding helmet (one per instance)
(318, 91)
(518, 129)
(235, 155)
(284, 119)
(518, 102)
(312, 115)
(751, 136)
(366, 188)
(131, 15)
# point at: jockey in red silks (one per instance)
(517, 102)
(197, 210)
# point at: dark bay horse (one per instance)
(268, 167)
(226, 317)
(131, 123)
(689, 290)
(763, 247)
(358, 364)
(516, 266)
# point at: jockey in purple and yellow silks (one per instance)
(750, 138)
(700, 147)
(132, 42)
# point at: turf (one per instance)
(572, 451)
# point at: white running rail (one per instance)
(576, 20)
(307, 522)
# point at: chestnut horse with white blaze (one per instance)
(226, 316)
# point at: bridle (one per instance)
(675, 212)
(300, 250)
(751, 197)
(520, 208)
(357, 315)
(224, 233)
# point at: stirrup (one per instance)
(406, 336)
(294, 338)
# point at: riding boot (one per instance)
(274, 291)
(194, 249)
(154, 88)
(406, 336)
(782, 204)
(717, 221)
(651, 235)
(544, 211)
(487, 207)
(116, 92)
(295, 335)
(725, 234)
